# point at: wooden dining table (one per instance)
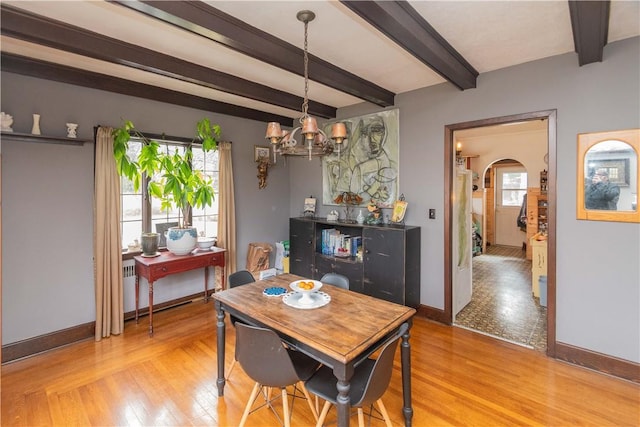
(340, 334)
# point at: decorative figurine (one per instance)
(72, 130)
(375, 214)
(6, 121)
(263, 172)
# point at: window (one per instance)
(513, 187)
(141, 213)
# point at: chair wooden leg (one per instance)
(233, 365)
(247, 409)
(323, 414)
(285, 408)
(384, 413)
(360, 417)
(311, 405)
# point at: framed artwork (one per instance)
(367, 164)
(399, 209)
(261, 152)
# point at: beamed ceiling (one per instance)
(244, 58)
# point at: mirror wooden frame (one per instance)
(585, 142)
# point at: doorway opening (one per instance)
(502, 300)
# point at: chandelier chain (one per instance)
(305, 103)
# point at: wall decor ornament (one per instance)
(368, 165)
(261, 155)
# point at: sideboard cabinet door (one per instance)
(301, 247)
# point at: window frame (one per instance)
(146, 208)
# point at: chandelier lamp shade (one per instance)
(314, 142)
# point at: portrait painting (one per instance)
(367, 164)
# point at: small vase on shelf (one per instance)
(35, 130)
(360, 217)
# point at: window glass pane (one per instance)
(514, 180)
(131, 230)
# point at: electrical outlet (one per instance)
(432, 214)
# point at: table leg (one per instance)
(137, 295)
(150, 309)
(343, 401)
(206, 283)
(220, 325)
(405, 353)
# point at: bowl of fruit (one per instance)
(306, 287)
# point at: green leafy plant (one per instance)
(172, 178)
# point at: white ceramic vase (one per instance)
(181, 241)
(35, 130)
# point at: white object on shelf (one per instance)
(72, 130)
(35, 130)
(6, 120)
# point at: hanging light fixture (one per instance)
(317, 142)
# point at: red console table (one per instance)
(167, 263)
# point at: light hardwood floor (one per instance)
(459, 378)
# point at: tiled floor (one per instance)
(502, 304)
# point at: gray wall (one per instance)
(598, 291)
(47, 191)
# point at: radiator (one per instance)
(129, 284)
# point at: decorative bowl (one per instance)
(205, 243)
(306, 287)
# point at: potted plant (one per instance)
(172, 180)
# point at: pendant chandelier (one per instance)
(315, 142)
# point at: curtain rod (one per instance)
(162, 136)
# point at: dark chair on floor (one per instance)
(369, 382)
(240, 277)
(336, 279)
(264, 358)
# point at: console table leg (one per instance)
(137, 295)
(150, 309)
(206, 284)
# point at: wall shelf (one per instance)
(43, 139)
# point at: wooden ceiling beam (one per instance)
(27, 26)
(202, 19)
(590, 25)
(407, 28)
(61, 73)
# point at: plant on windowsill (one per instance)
(172, 179)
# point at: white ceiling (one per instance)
(489, 34)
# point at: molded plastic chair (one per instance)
(240, 277)
(369, 382)
(336, 279)
(264, 358)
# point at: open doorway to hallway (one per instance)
(502, 303)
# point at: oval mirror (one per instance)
(608, 178)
